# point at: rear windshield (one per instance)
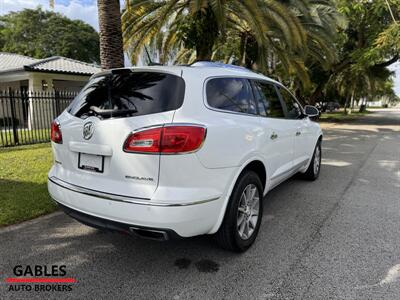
(125, 93)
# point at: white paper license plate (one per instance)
(91, 162)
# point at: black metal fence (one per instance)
(25, 116)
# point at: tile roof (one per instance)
(10, 61)
(14, 62)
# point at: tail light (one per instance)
(56, 135)
(167, 140)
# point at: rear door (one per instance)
(97, 123)
(277, 146)
(298, 127)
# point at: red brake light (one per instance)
(144, 141)
(178, 139)
(168, 139)
(56, 135)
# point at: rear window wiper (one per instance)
(112, 112)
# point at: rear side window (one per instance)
(231, 94)
(269, 104)
(125, 93)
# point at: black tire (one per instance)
(228, 236)
(311, 174)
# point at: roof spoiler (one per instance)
(218, 65)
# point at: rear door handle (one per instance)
(274, 136)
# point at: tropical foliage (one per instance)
(40, 34)
(320, 48)
(367, 46)
(262, 35)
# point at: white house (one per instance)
(58, 73)
(33, 82)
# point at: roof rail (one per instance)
(218, 65)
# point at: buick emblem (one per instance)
(88, 130)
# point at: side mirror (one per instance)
(311, 111)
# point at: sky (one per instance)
(86, 10)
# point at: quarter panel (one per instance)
(184, 179)
(230, 137)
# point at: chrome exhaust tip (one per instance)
(151, 234)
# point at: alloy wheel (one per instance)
(248, 211)
(317, 160)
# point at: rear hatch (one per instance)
(97, 123)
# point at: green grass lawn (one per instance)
(25, 136)
(339, 116)
(23, 183)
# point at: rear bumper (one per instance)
(98, 209)
(161, 234)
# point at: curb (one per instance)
(23, 224)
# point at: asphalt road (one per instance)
(336, 238)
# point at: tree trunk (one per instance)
(203, 53)
(352, 102)
(346, 104)
(204, 49)
(243, 42)
(318, 92)
(204, 32)
(111, 50)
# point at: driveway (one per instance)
(338, 237)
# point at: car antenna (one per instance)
(151, 63)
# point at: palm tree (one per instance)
(318, 21)
(111, 49)
(359, 81)
(198, 24)
(274, 37)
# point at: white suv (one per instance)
(180, 151)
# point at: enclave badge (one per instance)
(88, 130)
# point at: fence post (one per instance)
(57, 101)
(3, 124)
(13, 119)
(33, 111)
